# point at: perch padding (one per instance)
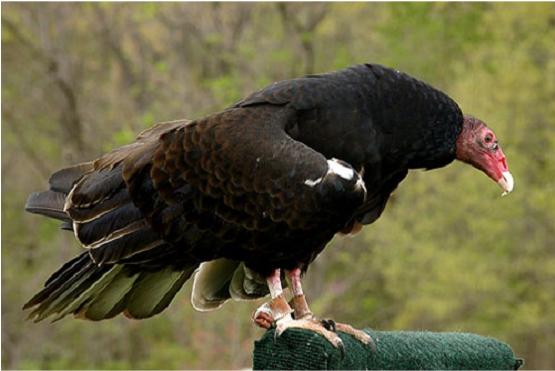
(395, 350)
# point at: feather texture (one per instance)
(48, 203)
(153, 291)
(211, 284)
(264, 184)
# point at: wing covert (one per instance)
(249, 172)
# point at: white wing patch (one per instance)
(334, 167)
(312, 183)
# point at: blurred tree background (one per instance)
(448, 254)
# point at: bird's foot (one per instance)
(269, 313)
(360, 335)
(301, 311)
(277, 313)
(263, 317)
(310, 324)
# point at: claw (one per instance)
(360, 335)
(329, 324)
(341, 348)
(311, 325)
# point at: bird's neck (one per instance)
(419, 123)
(430, 151)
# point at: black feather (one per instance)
(97, 186)
(140, 240)
(67, 226)
(63, 274)
(60, 292)
(107, 223)
(89, 211)
(63, 180)
(48, 203)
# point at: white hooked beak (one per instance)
(507, 183)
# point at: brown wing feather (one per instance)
(245, 166)
(105, 218)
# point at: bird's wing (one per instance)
(102, 213)
(183, 181)
(240, 168)
(127, 267)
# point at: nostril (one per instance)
(503, 162)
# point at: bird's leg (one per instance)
(301, 310)
(298, 302)
(303, 316)
(277, 312)
(276, 309)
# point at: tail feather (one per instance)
(48, 203)
(99, 292)
(92, 210)
(67, 291)
(63, 274)
(63, 180)
(97, 187)
(108, 223)
(128, 267)
(211, 284)
(153, 292)
(141, 239)
(222, 279)
(67, 226)
(51, 203)
(246, 285)
(111, 300)
(89, 294)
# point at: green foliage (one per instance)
(224, 88)
(447, 254)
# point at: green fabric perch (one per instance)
(301, 349)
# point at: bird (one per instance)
(243, 200)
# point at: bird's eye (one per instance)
(488, 138)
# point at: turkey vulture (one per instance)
(249, 196)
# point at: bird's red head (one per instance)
(477, 145)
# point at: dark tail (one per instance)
(127, 267)
(51, 203)
(94, 292)
(111, 278)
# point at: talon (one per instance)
(373, 345)
(279, 330)
(278, 313)
(360, 335)
(329, 324)
(311, 325)
(341, 347)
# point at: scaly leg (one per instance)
(277, 311)
(301, 310)
(298, 302)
